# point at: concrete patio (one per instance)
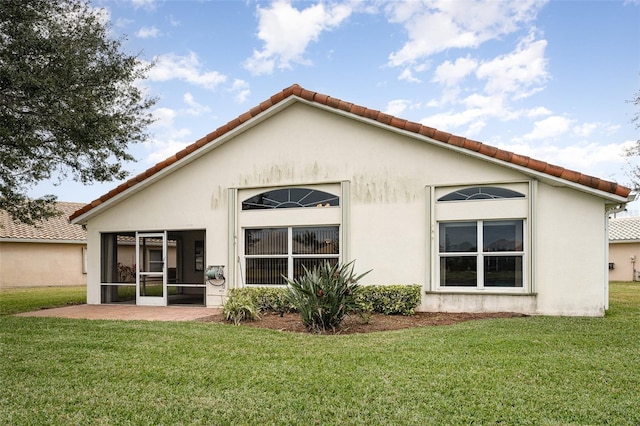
(126, 312)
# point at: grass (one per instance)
(13, 301)
(536, 370)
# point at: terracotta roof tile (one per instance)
(440, 136)
(57, 228)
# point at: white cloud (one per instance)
(587, 157)
(173, 21)
(241, 90)
(516, 72)
(287, 31)
(163, 117)
(407, 75)
(436, 25)
(194, 107)
(397, 107)
(148, 32)
(588, 129)
(448, 121)
(163, 149)
(537, 112)
(549, 128)
(451, 73)
(147, 4)
(187, 68)
(508, 77)
(123, 22)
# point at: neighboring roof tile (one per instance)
(57, 228)
(624, 229)
(319, 98)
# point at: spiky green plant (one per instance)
(238, 309)
(324, 295)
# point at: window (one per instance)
(274, 253)
(290, 198)
(481, 193)
(481, 254)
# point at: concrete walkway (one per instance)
(126, 312)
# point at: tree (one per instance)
(635, 150)
(69, 103)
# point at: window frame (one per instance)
(480, 255)
(290, 256)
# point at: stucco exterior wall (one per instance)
(571, 269)
(41, 264)
(389, 225)
(621, 255)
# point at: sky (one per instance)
(547, 79)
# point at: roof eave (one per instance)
(162, 169)
(612, 199)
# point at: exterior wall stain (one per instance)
(383, 188)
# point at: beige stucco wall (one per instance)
(621, 254)
(36, 264)
(388, 226)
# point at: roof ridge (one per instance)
(375, 115)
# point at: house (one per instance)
(304, 178)
(53, 253)
(624, 249)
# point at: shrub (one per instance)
(265, 299)
(389, 299)
(324, 295)
(240, 308)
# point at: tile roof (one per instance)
(399, 123)
(624, 229)
(57, 228)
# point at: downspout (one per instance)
(606, 259)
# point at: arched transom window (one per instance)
(290, 198)
(481, 193)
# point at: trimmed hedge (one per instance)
(265, 299)
(384, 299)
(390, 299)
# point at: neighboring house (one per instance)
(305, 178)
(53, 253)
(624, 249)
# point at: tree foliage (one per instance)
(635, 150)
(69, 103)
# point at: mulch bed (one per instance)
(377, 322)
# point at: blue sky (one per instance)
(544, 79)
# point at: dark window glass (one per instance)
(481, 193)
(503, 235)
(456, 237)
(266, 271)
(291, 198)
(503, 271)
(316, 240)
(458, 271)
(265, 241)
(309, 263)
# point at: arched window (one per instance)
(291, 198)
(481, 193)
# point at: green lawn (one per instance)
(536, 370)
(13, 301)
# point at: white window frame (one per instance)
(480, 255)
